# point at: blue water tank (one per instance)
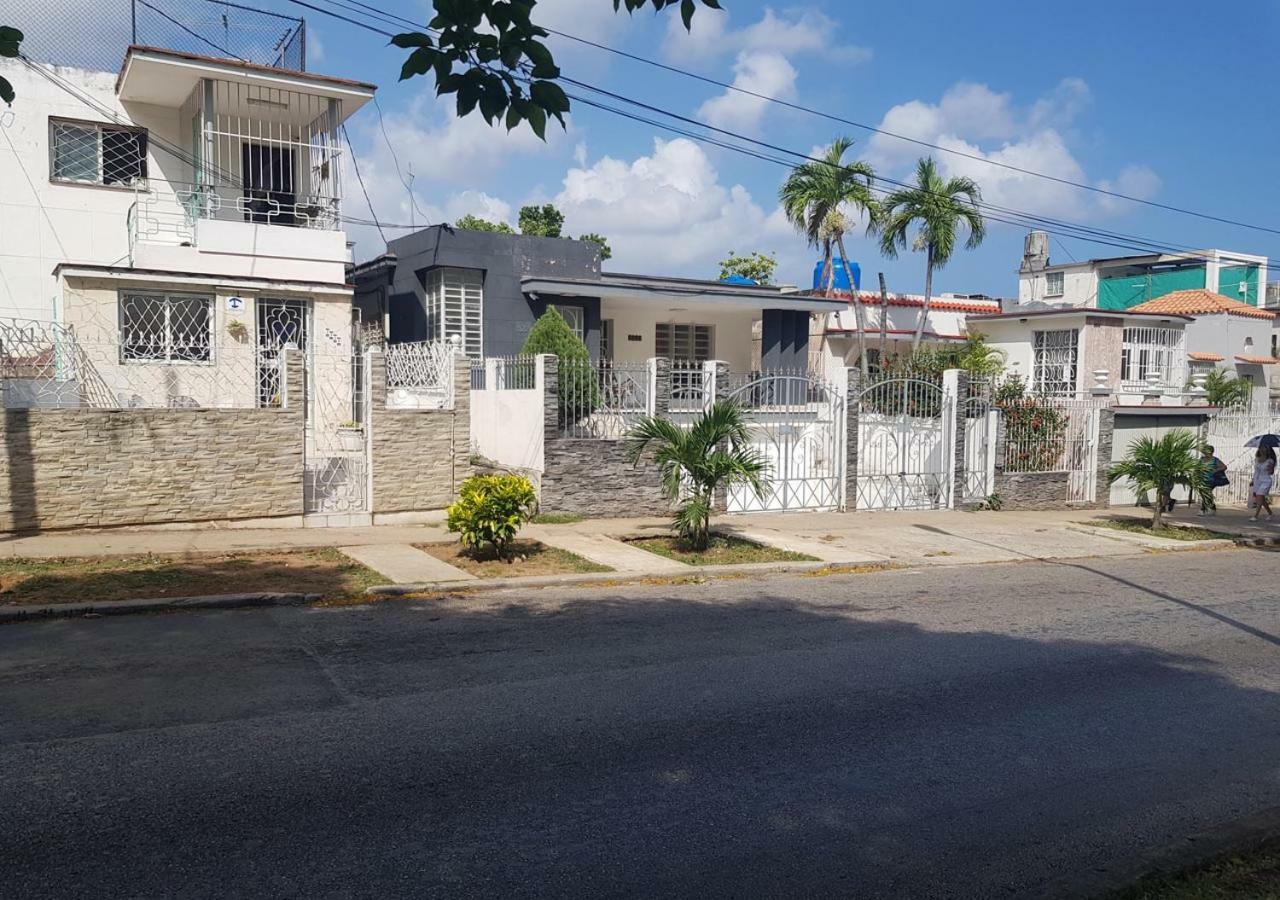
(841, 282)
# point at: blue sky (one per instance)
(1164, 100)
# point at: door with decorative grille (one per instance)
(904, 445)
(797, 423)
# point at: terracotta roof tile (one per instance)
(1259, 360)
(1205, 357)
(1200, 302)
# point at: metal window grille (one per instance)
(574, 317)
(692, 386)
(455, 307)
(92, 153)
(679, 340)
(264, 155)
(1054, 284)
(420, 375)
(1055, 361)
(165, 328)
(1152, 351)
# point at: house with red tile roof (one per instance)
(1227, 334)
(890, 324)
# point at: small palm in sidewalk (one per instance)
(695, 462)
(1157, 466)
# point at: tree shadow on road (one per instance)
(729, 739)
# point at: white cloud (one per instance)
(450, 159)
(1140, 182)
(988, 127)
(668, 212)
(797, 31)
(766, 74)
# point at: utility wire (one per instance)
(391, 18)
(356, 167)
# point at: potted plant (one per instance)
(351, 436)
(238, 330)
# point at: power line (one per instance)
(1022, 219)
(356, 168)
(901, 137)
(190, 31)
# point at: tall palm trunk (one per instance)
(928, 298)
(884, 321)
(859, 314)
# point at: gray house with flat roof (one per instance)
(487, 289)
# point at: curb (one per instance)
(128, 607)
(487, 584)
(1152, 542)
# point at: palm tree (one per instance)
(695, 462)
(1161, 464)
(939, 207)
(815, 198)
(1225, 389)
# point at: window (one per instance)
(165, 328)
(574, 317)
(455, 308)
(606, 339)
(1054, 366)
(89, 153)
(1151, 350)
(1053, 284)
(683, 342)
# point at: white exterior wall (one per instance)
(1232, 336)
(43, 223)
(731, 340)
(1079, 287)
(229, 379)
(507, 426)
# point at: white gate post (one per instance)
(710, 386)
(991, 436)
(651, 399)
(950, 411)
(367, 411)
(841, 426)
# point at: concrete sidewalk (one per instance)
(903, 538)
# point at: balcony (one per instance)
(254, 185)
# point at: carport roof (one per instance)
(649, 287)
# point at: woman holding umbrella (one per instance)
(1264, 473)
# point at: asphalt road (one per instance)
(1019, 730)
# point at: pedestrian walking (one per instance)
(1264, 477)
(1216, 475)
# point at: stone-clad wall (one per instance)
(80, 468)
(420, 456)
(593, 477)
(1048, 490)
(1033, 490)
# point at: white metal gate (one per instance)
(1054, 434)
(797, 422)
(905, 445)
(1228, 432)
(336, 471)
(980, 422)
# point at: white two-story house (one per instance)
(166, 229)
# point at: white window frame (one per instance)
(574, 316)
(1051, 350)
(1050, 278)
(167, 298)
(691, 330)
(99, 128)
(1146, 350)
(455, 307)
(606, 339)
